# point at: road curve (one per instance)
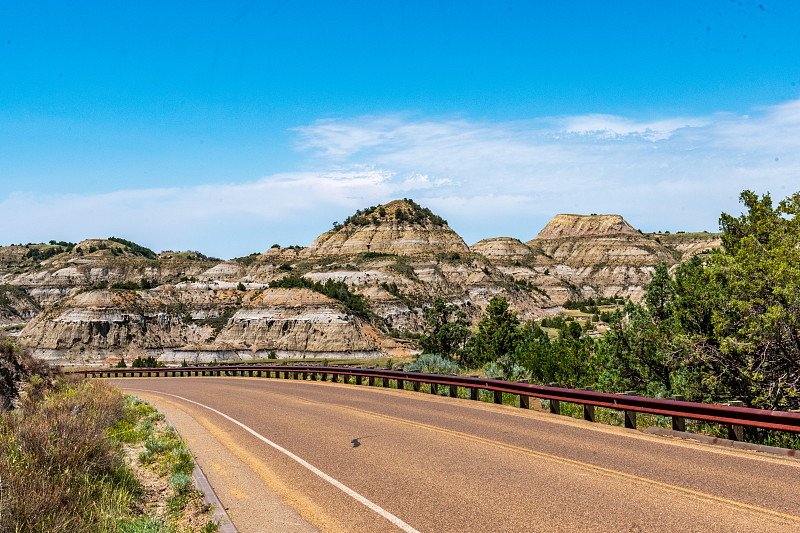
(426, 463)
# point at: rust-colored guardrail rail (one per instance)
(734, 417)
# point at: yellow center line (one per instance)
(559, 460)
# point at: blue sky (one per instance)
(227, 127)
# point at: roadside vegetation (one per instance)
(720, 327)
(77, 456)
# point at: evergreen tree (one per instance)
(498, 333)
(446, 331)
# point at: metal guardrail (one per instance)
(734, 417)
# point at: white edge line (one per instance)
(341, 486)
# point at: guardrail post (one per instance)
(630, 416)
(324, 376)
(385, 382)
(735, 431)
(434, 388)
(473, 393)
(498, 396)
(372, 381)
(524, 400)
(416, 386)
(678, 422)
(358, 380)
(588, 410)
(555, 405)
(454, 391)
(334, 378)
(401, 385)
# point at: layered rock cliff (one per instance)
(581, 226)
(400, 227)
(502, 249)
(198, 325)
(600, 255)
(109, 297)
(576, 257)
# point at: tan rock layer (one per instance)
(100, 323)
(585, 226)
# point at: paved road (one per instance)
(357, 458)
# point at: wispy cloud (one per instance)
(486, 178)
(672, 173)
(610, 126)
(226, 219)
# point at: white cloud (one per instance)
(224, 219)
(487, 178)
(677, 173)
(609, 126)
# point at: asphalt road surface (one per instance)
(288, 455)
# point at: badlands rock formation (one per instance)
(600, 255)
(570, 226)
(181, 326)
(400, 227)
(502, 249)
(85, 302)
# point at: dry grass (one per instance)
(62, 460)
(60, 471)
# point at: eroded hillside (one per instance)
(108, 298)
